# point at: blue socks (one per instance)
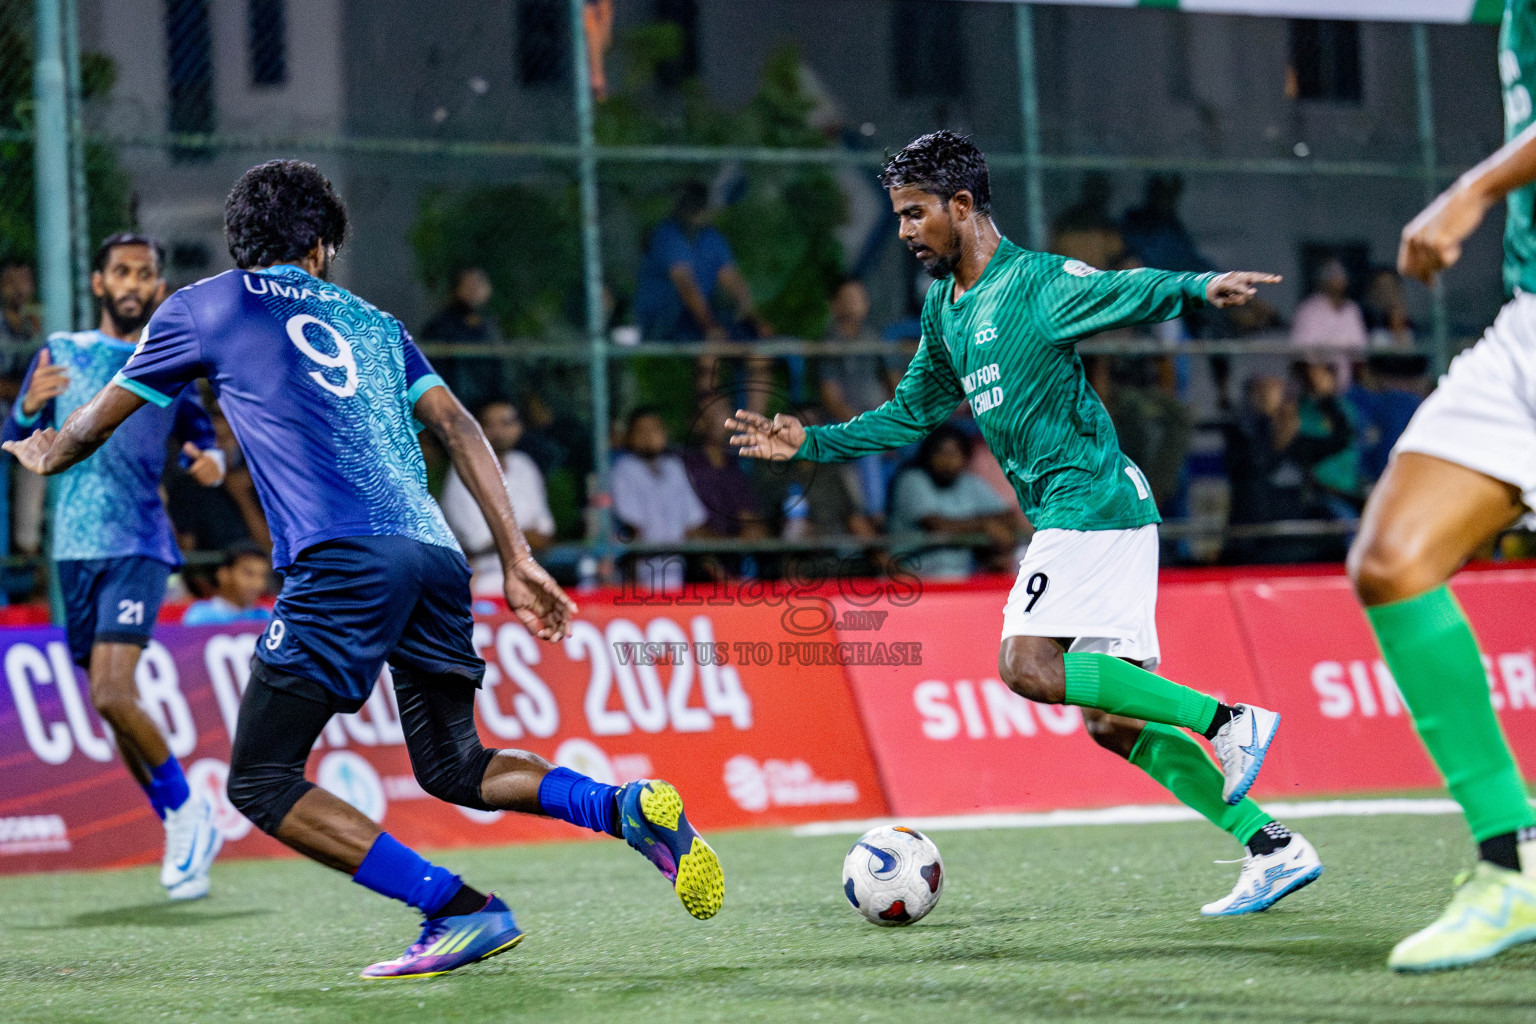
(167, 789)
(394, 870)
(571, 796)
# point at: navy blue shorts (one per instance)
(110, 601)
(347, 606)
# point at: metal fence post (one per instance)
(592, 266)
(79, 202)
(1428, 155)
(51, 168)
(1029, 114)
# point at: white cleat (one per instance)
(1240, 748)
(1269, 878)
(192, 841)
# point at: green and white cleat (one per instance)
(1493, 909)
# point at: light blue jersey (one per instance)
(319, 387)
(109, 505)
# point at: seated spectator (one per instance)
(1270, 466)
(525, 490)
(1153, 426)
(716, 475)
(852, 384)
(1386, 311)
(1329, 318)
(467, 320)
(810, 499)
(687, 271)
(1323, 416)
(19, 322)
(653, 500)
(1155, 231)
(1384, 399)
(241, 582)
(464, 319)
(938, 496)
(1085, 230)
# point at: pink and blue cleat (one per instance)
(448, 943)
(651, 817)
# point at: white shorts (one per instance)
(1483, 414)
(1097, 586)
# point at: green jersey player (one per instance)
(999, 330)
(1462, 473)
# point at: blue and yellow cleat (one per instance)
(651, 816)
(448, 943)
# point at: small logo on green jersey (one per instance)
(986, 334)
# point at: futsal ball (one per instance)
(893, 875)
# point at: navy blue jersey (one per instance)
(319, 388)
(109, 505)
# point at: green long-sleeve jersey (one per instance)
(1008, 346)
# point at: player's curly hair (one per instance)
(278, 210)
(941, 163)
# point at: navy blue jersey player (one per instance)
(325, 394)
(113, 547)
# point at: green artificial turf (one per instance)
(1089, 923)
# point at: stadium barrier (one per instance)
(766, 706)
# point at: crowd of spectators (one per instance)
(1299, 437)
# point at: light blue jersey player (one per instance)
(113, 546)
(325, 394)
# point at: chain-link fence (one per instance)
(533, 184)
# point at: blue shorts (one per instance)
(110, 601)
(347, 606)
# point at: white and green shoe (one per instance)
(1493, 909)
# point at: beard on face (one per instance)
(127, 323)
(941, 267)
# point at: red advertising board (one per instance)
(950, 738)
(1318, 665)
(747, 743)
(761, 711)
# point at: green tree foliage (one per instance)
(107, 188)
(527, 236)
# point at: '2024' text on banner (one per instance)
(634, 692)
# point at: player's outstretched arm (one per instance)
(1432, 241)
(758, 437)
(534, 597)
(52, 451)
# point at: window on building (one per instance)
(266, 41)
(928, 49)
(543, 41)
(189, 67)
(1325, 61)
(684, 15)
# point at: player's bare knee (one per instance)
(1384, 570)
(1033, 671)
(1114, 734)
(113, 702)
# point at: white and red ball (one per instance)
(893, 875)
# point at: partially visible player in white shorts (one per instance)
(1483, 414)
(1097, 588)
(1463, 472)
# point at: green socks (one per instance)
(1429, 646)
(1181, 766)
(1109, 684)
